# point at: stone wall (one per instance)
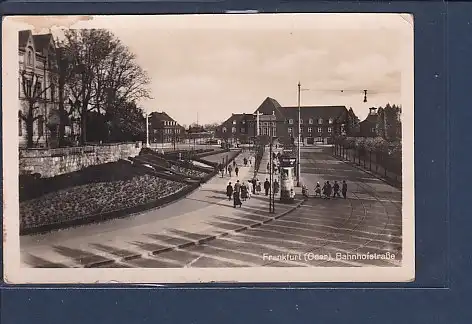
(52, 162)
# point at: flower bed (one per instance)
(94, 198)
(188, 171)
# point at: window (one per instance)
(372, 130)
(331, 120)
(234, 130)
(40, 126)
(53, 89)
(320, 121)
(290, 121)
(242, 129)
(320, 130)
(310, 129)
(234, 122)
(224, 129)
(30, 58)
(290, 130)
(329, 129)
(310, 121)
(20, 126)
(28, 84)
(243, 122)
(301, 121)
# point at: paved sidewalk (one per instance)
(203, 214)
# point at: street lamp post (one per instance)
(147, 130)
(299, 137)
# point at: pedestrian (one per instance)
(344, 189)
(266, 187)
(318, 190)
(325, 189)
(229, 191)
(250, 161)
(329, 189)
(237, 186)
(244, 194)
(276, 187)
(336, 189)
(230, 169)
(234, 163)
(245, 161)
(236, 171)
(268, 167)
(258, 187)
(254, 184)
(237, 200)
(304, 191)
(222, 170)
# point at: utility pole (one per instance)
(299, 137)
(147, 130)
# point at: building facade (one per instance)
(368, 127)
(164, 129)
(39, 115)
(317, 123)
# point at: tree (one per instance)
(353, 123)
(106, 77)
(34, 93)
(380, 126)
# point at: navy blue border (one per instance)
(443, 59)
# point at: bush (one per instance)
(94, 198)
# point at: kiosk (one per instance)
(287, 178)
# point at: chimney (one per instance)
(372, 111)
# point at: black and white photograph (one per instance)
(208, 148)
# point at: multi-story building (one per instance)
(368, 127)
(164, 129)
(37, 87)
(317, 123)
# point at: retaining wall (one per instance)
(52, 162)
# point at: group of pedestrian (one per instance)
(328, 190)
(240, 192)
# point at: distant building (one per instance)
(164, 129)
(317, 123)
(368, 127)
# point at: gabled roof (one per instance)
(269, 106)
(23, 36)
(41, 42)
(162, 116)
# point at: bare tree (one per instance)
(106, 76)
(34, 94)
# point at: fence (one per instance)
(382, 164)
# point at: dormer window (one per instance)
(310, 121)
(320, 121)
(224, 129)
(234, 122)
(290, 121)
(331, 120)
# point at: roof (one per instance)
(323, 112)
(23, 36)
(42, 42)
(269, 106)
(161, 116)
(372, 118)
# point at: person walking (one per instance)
(234, 163)
(230, 169)
(276, 187)
(237, 199)
(245, 161)
(258, 187)
(236, 171)
(237, 186)
(329, 189)
(325, 189)
(244, 192)
(344, 189)
(336, 189)
(318, 190)
(222, 170)
(229, 191)
(304, 191)
(266, 187)
(254, 184)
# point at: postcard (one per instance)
(239, 148)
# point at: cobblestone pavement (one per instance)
(364, 229)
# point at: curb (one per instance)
(196, 242)
(390, 183)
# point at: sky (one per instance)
(208, 67)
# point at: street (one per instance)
(204, 230)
